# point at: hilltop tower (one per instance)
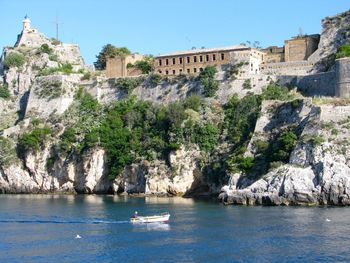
(26, 23)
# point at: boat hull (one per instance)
(151, 219)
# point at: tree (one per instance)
(109, 51)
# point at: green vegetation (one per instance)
(7, 152)
(155, 79)
(208, 81)
(4, 92)
(53, 57)
(145, 65)
(34, 140)
(276, 92)
(67, 139)
(109, 51)
(234, 70)
(14, 59)
(44, 48)
(343, 51)
(247, 84)
(127, 84)
(66, 69)
(50, 89)
(193, 102)
(205, 135)
(86, 76)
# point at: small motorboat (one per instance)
(161, 218)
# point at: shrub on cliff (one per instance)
(145, 65)
(276, 92)
(155, 79)
(127, 84)
(34, 140)
(67, 138)
(4, 92)
(44, 48)
(343, 51)
(208, 81)
(14, 59)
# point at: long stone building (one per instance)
(195, 60)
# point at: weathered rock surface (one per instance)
(318, 172)
(335, 33)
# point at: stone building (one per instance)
(273, 54)
(300, 48)
(295, 49)
(195, 60)
(118, 66)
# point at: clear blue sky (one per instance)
(162, 26)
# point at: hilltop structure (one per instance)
(118, 66)
(194, 61)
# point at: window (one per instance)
(222, 56)
(200, 58)
(188, 60)
(174, 72)
(167, 72)
(159, 71)
(180, 70)
(173, 61)
(201, 69)
(160, 62)
(188, 70)
(195, 59)
(214, 57)
(167, 62)
(207, 58)
(195, 70)
(180, 60)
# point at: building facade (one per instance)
(194, 61)
(300, 48)
(118, 66)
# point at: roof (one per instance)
(205, 50)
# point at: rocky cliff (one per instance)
(65, 128)
(317, 171)
(335, 33)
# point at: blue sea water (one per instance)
(43, 228)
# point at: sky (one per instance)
(164, 26)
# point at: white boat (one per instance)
(162, 218)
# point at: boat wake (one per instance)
(39, 221)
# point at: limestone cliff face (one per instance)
(318, 171)
(88, 174)
(335, 33)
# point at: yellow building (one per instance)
(195, 60)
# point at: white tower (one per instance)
(26, 23)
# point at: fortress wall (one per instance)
(342, 78)
(287, 68)
(322, 84)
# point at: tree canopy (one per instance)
(109, 51)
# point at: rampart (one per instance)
(287, 68)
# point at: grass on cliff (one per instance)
(14, 59)
(343, 51)
(4, 92)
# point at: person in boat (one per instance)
(135, 215)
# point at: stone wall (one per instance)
(287, 68)
(321, 84)
(300, 48)
(342, 78)
(118, 66)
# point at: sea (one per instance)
(96, 228)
